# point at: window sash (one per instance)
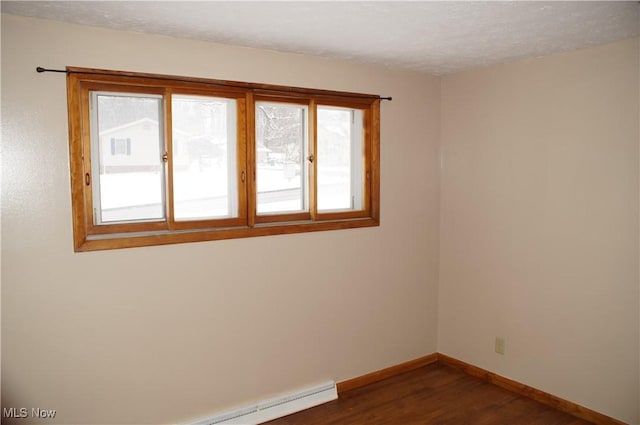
(292, 170)
(355, 152)
(211, 155)
(107, 192)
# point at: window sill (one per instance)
(166, 237)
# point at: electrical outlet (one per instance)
(499, 345)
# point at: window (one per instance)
(282, 180)
(121, 146)
(158, 159)
(340, 152)
(204, 162)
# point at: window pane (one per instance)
(127, 155)
(281, 146)
(204, 157)
(340, 159)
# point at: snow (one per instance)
(201, 192)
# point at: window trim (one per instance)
(90, 237)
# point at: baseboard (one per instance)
(373, 377)
(530, 392)
(493, 378)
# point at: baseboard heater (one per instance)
(276, 407)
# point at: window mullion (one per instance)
(241, 158)
(250, 159)
(168, 158)
(312, 160)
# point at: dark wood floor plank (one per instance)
(433, 394)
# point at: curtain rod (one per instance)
(40, 69)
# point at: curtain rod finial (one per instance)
(40, 70)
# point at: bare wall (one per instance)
(172, 333)
(539, 224)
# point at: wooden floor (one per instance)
(433, 394)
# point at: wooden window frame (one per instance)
(90, 237)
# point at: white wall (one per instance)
(171, 333)
(539, 229)
(539, 224)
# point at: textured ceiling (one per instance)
(434, 37)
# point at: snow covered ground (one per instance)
(201, 192)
